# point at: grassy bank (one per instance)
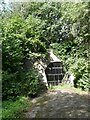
(15, 109)
(67, 88)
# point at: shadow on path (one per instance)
(60, 104)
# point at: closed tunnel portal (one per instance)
(55, 73)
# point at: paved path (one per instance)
(60, 104)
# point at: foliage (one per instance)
(15, 109)
(32, 84)
(19, 43)
(27, 84)
(73, 50)
(11, 39)
(10, 86)
(66, 87)
(75, 62)
(27, 30)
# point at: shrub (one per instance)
(32, 83)
(10, 87)
(20, 83)
(75, 62)
(80, 70)
(15, 109)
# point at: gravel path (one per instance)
(60, 104)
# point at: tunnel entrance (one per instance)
(55, 73)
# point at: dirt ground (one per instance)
(60, 104)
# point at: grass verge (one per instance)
(15, 109)
(68, 88)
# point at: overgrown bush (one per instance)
(20, 40)
(32, 83)
(26, 32)
(73, 48)
(80, 70)
(26, 84)
(75, 62)
(14, 109)
(10, 85)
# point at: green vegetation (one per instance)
(27, 30)
(73, 50)
(15, 109)
(20, 40)
(28, 86)
(65, 87)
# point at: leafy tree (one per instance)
(28, 29)
(73, 49)
(20, 40)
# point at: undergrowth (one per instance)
(15, 109)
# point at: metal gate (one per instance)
(54, 73)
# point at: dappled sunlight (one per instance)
(60, 104)
(45, 49)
